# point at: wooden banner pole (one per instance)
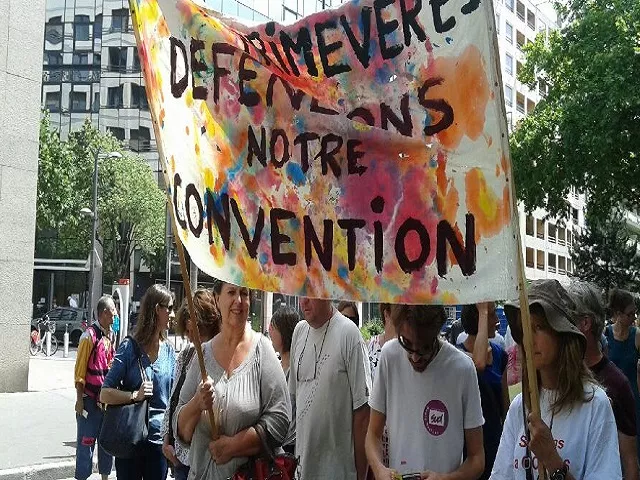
(176, 234)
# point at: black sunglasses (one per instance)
(421, 353)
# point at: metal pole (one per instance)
(94, 231)
(168, 245)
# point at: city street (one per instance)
(39, 427)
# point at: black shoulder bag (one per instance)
(125, 428)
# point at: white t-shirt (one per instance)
(335, 354)
(426, 412)
(586, 438)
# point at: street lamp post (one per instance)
(93, 213)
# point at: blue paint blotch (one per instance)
(264, 258)
(295, 173)
(449, 40)
(343, 272)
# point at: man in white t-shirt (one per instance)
(426, 392)
(329, 382)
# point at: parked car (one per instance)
(76, 318)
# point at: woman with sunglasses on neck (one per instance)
(623, 340)
(246, 390)
(426, 393)
(124, 382)
(575, 435)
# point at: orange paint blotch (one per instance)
(491, 213)
(489, 141)
(186, 129)
(162, 115)
(505, 164)
(466, 88)
(163, 28)
(498, 170)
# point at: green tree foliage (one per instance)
(605, 255)
(130, 205)
(586, 132)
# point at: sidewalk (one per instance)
(38, 427)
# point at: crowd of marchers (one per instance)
(407, 403)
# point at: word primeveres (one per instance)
(217, 211)
(278, 47)
(439, 114)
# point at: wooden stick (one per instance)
(179, 247)
(527, 334)
(195, 331)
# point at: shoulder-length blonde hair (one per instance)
(156, 295)
(573, 374)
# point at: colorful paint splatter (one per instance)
(359, 153)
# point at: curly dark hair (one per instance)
(425, 320)
(207, 314)
(619, 300)
(285, 320)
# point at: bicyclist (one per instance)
(95, 354)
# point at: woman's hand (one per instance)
(169, 452)
(205, 395)
(542, 444)
(221, 450)
(145, 390)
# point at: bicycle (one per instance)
(39, 341)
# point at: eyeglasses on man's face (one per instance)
(410, 348)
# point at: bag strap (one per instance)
(175, 396)
(138, 351)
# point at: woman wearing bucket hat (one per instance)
(575, 435)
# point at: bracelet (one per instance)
(133, 397)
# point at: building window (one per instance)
(542, 28)
(540, 228)
(569, 266)
(508, 64)
(78, 102)
(562, 236)
(120, 20)
(136, 60)
(52, 101)
(542, 88)
(81, 59)
(574, 215)
(53, 58)
(540, 259)
(520, 10)
(81, 26)
(529, 258)
(117, 59)
(562, 265)
(289, 15)
(520, 40)
(552, 263)
(552, 232)
(138, 97)
(509, 4)
(569, 238)
(97, 59)
(529, 225)
(114, 98)
(97, 26)
(518, 67)
(508, 33)
(53, 30)
(117, 132)
(520, 102)
(531, 105)
(531, 20)
(508, 96)
(140, 140)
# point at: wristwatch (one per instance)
(133, 399)
(560, 473)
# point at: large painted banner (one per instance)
(359, 153)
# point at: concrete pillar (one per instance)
(21, 41)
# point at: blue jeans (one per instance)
(88, 431)
(149, 464)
